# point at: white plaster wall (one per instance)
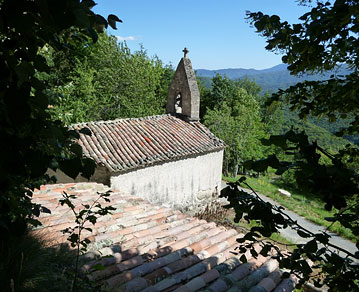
(180, 184)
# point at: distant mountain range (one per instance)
(235, 73)
(270, 79)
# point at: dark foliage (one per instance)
(87, 213)
(339, 271)
(327, 36)
(31, 142)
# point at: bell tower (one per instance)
(183, 94)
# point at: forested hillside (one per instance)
(319, 130)
(235, 73)
(269, 79)
(278, 77)
(105, 80)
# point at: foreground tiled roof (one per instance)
(150, 248)
(133, 143)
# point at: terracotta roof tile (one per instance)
(125, 144)
(150, 248)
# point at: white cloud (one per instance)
(126, 38)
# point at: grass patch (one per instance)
(306, 205)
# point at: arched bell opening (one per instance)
(178, 103)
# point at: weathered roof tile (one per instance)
(125, 144)
(144, 247)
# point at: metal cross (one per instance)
(185, 51)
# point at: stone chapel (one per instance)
(171, 159)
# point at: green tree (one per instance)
(235, 119)
(104, 80)
(250, 86)
(326, 37)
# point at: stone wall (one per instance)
(183, 184)
(184, 83)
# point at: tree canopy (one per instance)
(326, 37)
(105, 80)
(227, 115)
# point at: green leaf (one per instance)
(100, 23)
(330, 219)
(242, 179)
(85, 131)
(321, 251)
(228, 192)
(89, 3)
(71, 167)
(88, 167)
(303, 234)
(254, 253)
(266, 142)
(322, 238)
(243, 258)
(241, 240)
(311, 246)
(73, 238)
(98, 267)
(36, 210)
(260, 165)
(33, 222)
(74, 134)
(45, 210)
(38, 163)
(279, 140)
(82, 17)
(112, 19)
(76, 149)
(81, 213)
(265, 250)
(41, 100)
(93, 34)
(305, 267)
(92, 219)
(281, 170)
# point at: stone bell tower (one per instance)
(183, 93)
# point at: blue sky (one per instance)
(215, 32)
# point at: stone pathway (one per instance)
(292, 235)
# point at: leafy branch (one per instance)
(272, 218)
(324, 39)
(89, 213)
(333, 181)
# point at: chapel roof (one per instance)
(146, 247)
(127, 144)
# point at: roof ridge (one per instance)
(119, 120)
